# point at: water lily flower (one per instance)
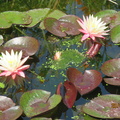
(12, 65)
(57, 55)
(92, 27)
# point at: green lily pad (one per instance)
(115, 34)
(37, 15)
(35, 102)
(106, 14)
(28, 44)
(105, 106)
(13, 17)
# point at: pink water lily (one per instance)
(92, 27)
(12, 65)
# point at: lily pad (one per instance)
(115, 20)
(73, 20)
(8, 110)
(113, 81)
(54, 27)
(66, 25)
(28, 44)
(37, 15)
(106, 14)
(52, 14)
(115, 34)
(86, 82)
(13, 17)
(105, 106)
(111, 68)
(68, 93)
(35, 102)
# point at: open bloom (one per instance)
(12, 65)
(92, 27)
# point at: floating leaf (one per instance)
(73, 20)
(35, 102)
(115, 34)
(106, 106)
(53, 14)
(111, 68)
(113, 81)
(11, 114)
(115, 20)
(65, 25)
(70, 94)
(8, 110)
(37, 15)
(86, 82)
(54, 26)
(13, 17)
(106, 14)
(28, 44)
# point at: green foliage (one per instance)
(67, 59)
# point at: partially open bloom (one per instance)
(92, 27)
(12, 65)
(57, 55)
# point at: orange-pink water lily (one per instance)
(92, 27)
(11, 64)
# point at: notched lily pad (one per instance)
(35, 102)
(86, 82)
(106, 106)
(28, 44)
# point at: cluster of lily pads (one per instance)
(37, 104)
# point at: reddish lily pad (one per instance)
(53, 26)
(35, 102)
(111, 68)
(28, 44)
(106, 106)
(112, 81)
(86, 82)
(69, 93)
(8, 110)
(66, 25)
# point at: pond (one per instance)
(58, 64)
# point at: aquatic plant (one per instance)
(12, 65)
